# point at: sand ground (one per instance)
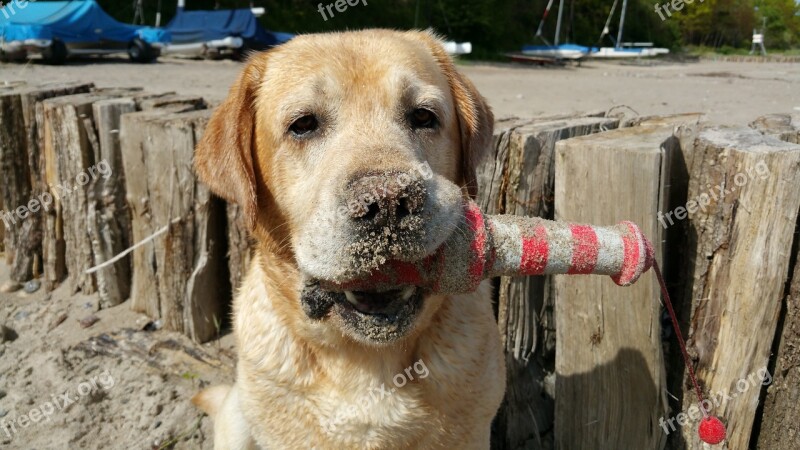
(729, 93)
(129, 386)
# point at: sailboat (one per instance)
(623, 50)
(620, 50)
(554, 50)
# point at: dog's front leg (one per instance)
(231, 430)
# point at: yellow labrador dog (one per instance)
(346, 150)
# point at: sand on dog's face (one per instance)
(361, 89)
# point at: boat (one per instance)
(233, 31)
(538, 60)
(626, 52)
(562, 51)
(60, 29)
(573, 52)
(457, 48)
(554, 50)
(622, 50)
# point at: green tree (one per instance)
(493, 26)
(782, 19)
(716, 23)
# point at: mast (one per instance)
(138, 13)
(608, 22)
(558, 23)
(621, 23)
(544, 17)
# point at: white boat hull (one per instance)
(458, 48)
(626, 53)
(555, 53)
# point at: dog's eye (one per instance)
(304, 125)
(423, 118)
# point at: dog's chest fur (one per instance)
(296, 395)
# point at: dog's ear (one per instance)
(224, 157)
(477, 128)
(475, 118)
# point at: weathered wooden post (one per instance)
(518, 179)
(179, 275)
(610, 379)
(780, 421)
(744, 196)
(239, 246)
(90, 223)
(72, 170)
(108, 218)
(20, 163)
(2, 230)
(785, 127)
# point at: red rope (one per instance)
(682, 343)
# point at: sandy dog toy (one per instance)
(499, 245)
(492, 246)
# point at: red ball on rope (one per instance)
(711, 430)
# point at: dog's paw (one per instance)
(210, 400)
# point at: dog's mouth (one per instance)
(377, 317)
(380, 303)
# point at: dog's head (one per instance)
(346, 151)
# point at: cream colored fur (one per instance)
(303, 383)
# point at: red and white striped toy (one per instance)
(491, 246)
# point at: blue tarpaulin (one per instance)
(203, 26)
(70, 21)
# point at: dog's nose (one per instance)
(385, 198)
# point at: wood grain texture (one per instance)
(490, 173)
(610, 384)
(779, 426)
(20, 165)
(2, 233)
(6, 256)
(673, 120)
(136, 146)
(785, 127)
(31, 105)
(506, 430)
(133, 145)
(71, 149)
(740, 246)
(151, 102)
(780, 422)
(16, 188)
(239, 245)
(519, 180)
(180, 277)
(108, 215)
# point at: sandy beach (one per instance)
(140, 381)
(727, 92)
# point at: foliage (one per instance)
(497, 26)
(717, 23)
(782, 22)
